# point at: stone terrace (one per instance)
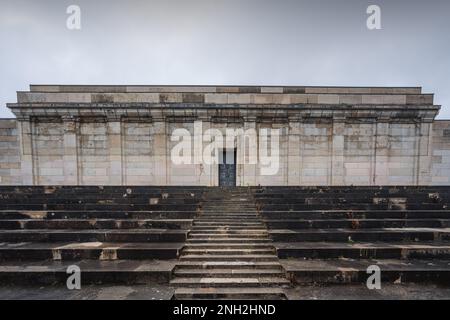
(247, 243)
(331, 235)
(115, 234)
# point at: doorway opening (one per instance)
(227, 168)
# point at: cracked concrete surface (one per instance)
(165, 292)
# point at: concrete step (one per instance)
(363, 250)
(240, 209)
(95, 214)
(213, 282)
(101, 207)
(88, 250)
(228, 272)
(236, 199)
(93, 272)
(228, 227)
(224, 240)
(202, 235)
(229, 265)
(355, 214)
(345, 235)
(227, 251)
(349, 223)
(240, 217)
(230, 293)
(346, 271)
(219, 231)
(95, 224)
(215, 223)
(111, 235)
(229, 219)
(351, 206)
(231, 257)
(231, 245)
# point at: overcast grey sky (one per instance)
(260, 42)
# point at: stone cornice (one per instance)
(206, 112)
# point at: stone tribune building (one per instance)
(361, 178)
(121, 135)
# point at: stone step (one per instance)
(211, 236)
(94, 214)
(227, 240)
(231, 245)
(228, 204)
(216, 215)
(239, 272)
(93, 272)
(229, 231)
(339, 198)
(88, 250)
(356, 214)
(230, 293)
(225, 221)
(218, 223)
(111, 235)
(347, 271)
(95, 224)
(365, 250)
(229, 209)
(101, 207)
(227, 227)
(345, 235)
(237, 200)
(228, 265)
(78, 202)
(231, 257)
(351, 206)
(356, 223)
(214, 282)
(227, 251)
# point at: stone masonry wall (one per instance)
(10, 173)
(316, 153)
(121, 135)
(441, 153)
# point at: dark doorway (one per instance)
(227, 168)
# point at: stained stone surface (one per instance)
(91, 292)
(360, 292)
(160, 292)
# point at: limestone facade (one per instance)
(121, 135)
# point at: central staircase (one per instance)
(228, 253)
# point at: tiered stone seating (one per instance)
(332, 234)
(250, 243)
(104, 230)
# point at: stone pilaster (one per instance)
(337, 161)
(204, 171)
(25, 126)
(161, 153)
(247, 172)
(424, 154)
(114, 129)
(294, 164)
(381, 153)
(70, 145)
